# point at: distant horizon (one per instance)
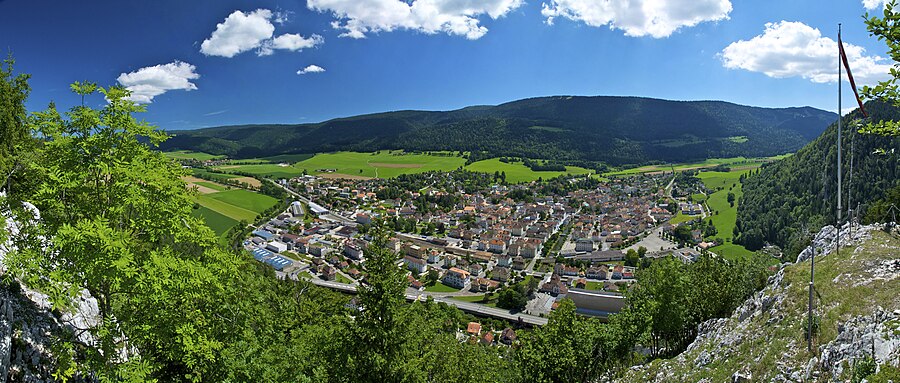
(494, 105)
(206, 64)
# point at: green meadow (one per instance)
(737, 163)
(516, 172)
(225, 209)
(383, 164)
(725, 220)
(189, 155)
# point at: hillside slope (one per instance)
(856, 295)
(801, 189)
(616, 130)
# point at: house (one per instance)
(318, 249)
(496, 246)
(457, 278)
(476, 269)
(562, 269)
(597, 272)
(414, 283)
(530, 249)
(487, 338)
(347, 231)
(617, 272)
(504, 260)
(555, 286)
(474, 328)
(415, 265)
(353, 250)
(363, 218)
(518, 263)
(450, 260)
(508, 336)
(501, 274)
(484, 284)
(580, 283)
(434, 257)
(328, 273)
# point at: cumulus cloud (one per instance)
(311, 69)
(149, 82)
(874, 4)
(794, 49)
(655, 18)
(454, 17)
(289, 41)
(241, 32)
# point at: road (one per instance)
(474, 308)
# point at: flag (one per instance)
(850, 75)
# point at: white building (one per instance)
(277, 247)
(456, 277)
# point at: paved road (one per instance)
(469, 307)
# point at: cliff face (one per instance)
(857, 299)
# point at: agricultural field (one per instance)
(516, 172)
(189, 155)
(736, 163)
(222, 210)
(383, 164)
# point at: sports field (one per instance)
(516, 172)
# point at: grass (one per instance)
(234, 212)
(216, 221)
(338, 277)
(248, 200)
(718, 201)
(732, 251)
(593, 285)
(200, 173)
(738, 139)
(384, 164)
(734, 162)
(211, 185)
(441, 288)
(187, 154)
(516, 172)
(471, 298)
(679, 218)
(844, 289)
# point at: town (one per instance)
(503, 251)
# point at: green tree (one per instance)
(886, 28)
(15, 138)
(632, 258)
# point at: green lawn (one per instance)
(593, 285)
(471, 298)
(245, 199)
(731, 251)
(679, 218)
(216, 221)
(211, 185)
(187, 154)
(441, 288)
(516, 172)
(342, 279)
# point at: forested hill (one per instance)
(615, 130)
(798, 192)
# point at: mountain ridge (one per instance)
(610, 129)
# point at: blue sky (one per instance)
(381, 55)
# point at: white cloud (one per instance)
(149, 82)
(289, 41)
(311, 69)
(874, 4)
(241, 32)
(454, 17)
(794, 49)
(655, 18)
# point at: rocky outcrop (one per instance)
(763, 339)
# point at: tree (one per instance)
(512, 298)
(632, 258)
(887, 29)
(641, 251)
(15, 138)
(119, 219)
